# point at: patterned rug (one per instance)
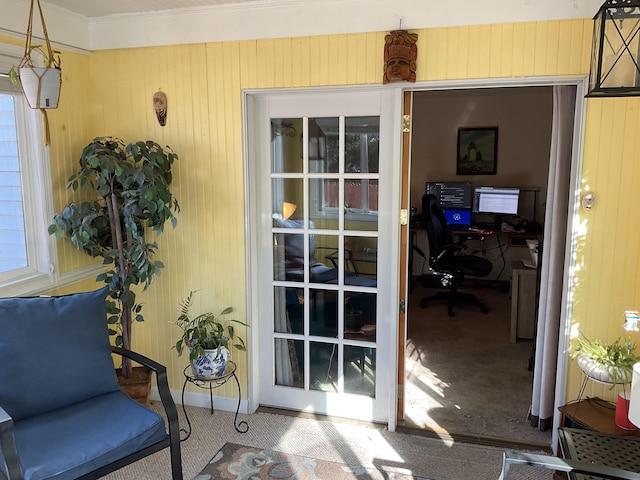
(235, 462)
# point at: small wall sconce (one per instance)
(615, 51)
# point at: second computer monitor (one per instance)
(496, 200)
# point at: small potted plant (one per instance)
(352, 317)
(208, 338)
(608, 363)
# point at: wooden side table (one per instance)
(593, 414)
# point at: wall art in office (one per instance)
(477, 151)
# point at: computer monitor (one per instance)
(451, 195)
(496, 200)
(457, 216)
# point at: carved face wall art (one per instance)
(160, 106)
(400, 54)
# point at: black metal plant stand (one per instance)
(229, 372)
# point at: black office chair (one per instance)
(447, 260)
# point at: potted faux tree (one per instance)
(131, 183)
(208, 338)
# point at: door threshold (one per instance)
(320, 417)
(471, 438)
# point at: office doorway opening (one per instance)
(470, 375)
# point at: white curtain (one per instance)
(284, 372)
(552, 263)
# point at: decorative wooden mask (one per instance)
(400, 54)
(160, 106)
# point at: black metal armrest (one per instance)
(163, 389)
(563, 465)
(8, 445)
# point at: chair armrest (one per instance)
(563, 465)
(8, 446)
(163, 387)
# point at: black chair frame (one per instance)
(172, 440)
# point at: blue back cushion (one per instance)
(54, 352)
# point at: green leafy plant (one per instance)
(131, 183)
(48, 60)
(615, 358)
(206, 331)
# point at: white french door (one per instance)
(320, 193)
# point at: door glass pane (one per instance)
(324, 151)
(288, 256)
(360, 316)
(361, 150)
(287, 202)
(323, 313)
(324, 201)
(361, 259)
(286, 145)
(323, 258)
(288, 310)
(323, 362)
(289, 362)
(360, 370)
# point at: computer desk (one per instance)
(503, 242)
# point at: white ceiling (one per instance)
(101, 8)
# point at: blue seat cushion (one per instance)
(80, 438)
(54, 352)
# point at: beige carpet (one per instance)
(342, 442)
(464, 376)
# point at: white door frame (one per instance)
(256, 221)
(393, 213)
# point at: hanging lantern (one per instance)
(615, 50)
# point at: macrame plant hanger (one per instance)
(41, 85)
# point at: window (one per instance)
(26, 249)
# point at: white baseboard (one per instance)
(197, 399)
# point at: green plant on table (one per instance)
(617, 358)
(206, 331)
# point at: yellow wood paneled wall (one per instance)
(110, 92)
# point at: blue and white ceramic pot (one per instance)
(212, 365)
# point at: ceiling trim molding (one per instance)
(292, 18)
(66, 29)
(280, 19)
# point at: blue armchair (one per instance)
(62, 413)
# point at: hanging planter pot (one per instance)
(41, 86)
(40, 78)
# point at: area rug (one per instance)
(235, 462)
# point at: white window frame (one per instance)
(35, 179)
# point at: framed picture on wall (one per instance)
(477, 151)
